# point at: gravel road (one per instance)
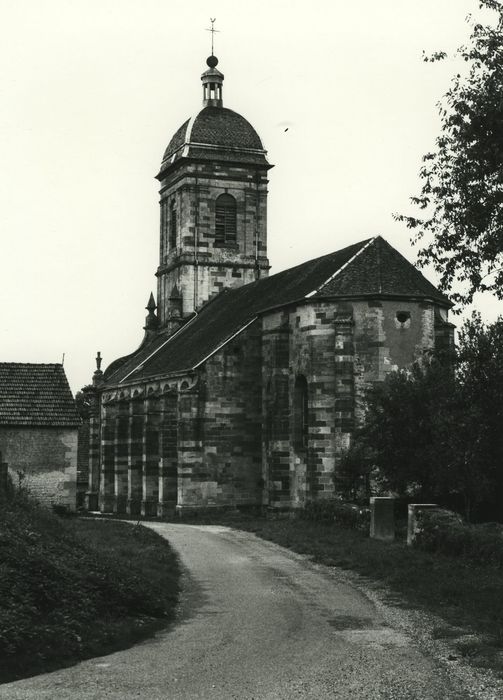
(256, 622)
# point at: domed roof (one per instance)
(216, 133)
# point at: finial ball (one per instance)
(212, 61)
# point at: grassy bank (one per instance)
(72, 589)
(468, 598)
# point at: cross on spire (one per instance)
(212, 30)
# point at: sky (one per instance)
(91, 92)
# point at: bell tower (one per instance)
(213, 199)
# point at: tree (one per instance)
(83, 401)
(460, 220)
(435, 432)
(401, 430)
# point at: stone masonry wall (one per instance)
(220, 450)
(277, 409)
(341, 349)
(47, 457)
(225, 435)
(200, 266)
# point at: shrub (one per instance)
(335, 511)
(443, 531)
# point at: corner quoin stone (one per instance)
(382, 518)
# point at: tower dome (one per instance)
(215, 132)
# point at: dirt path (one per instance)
(256, 622)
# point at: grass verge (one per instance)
(73, 589)
(468, 598)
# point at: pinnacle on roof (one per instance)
(151, 305)
(151, 321)
(175, 293)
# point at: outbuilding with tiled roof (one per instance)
(39, 431)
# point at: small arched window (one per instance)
(225, 219)
(300, 421)
(172, 225)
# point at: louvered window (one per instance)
(225, 219)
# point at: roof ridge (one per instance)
(344, 266)
(380, 277)
(379, 241)
(416, 270)
(188, 134)
(290, 269)
(31, 364)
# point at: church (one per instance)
(247, 387)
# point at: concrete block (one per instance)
(412, 523)
(382, 518)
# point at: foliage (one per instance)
(434, 432)
(440, 531)
(338, 512)
(82, 401)
(460, 221)
(355, 470)
(73, 589)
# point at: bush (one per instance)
(443, 531)
(335, 511)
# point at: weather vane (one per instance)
(212, 30)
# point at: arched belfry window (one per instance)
(300, 422)
(172, 225)
(225, 219)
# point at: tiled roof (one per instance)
(227, 313)
(36, 394)
(217, 133)
(365, 269)
(177, 140)
(223, 127)
(382, 270)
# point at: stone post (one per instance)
(412, 523)
(382, 518)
